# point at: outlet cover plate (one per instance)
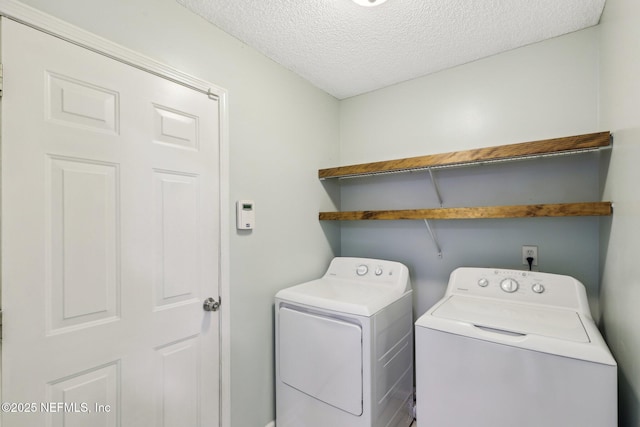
(529, 250)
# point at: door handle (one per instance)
(211, 305)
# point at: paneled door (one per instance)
(110, 241)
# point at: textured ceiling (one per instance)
(346, 49)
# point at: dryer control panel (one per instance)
(368, 270)
(519, 286)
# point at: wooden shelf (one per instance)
(565, 145)
(518, 211)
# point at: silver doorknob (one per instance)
(210, 304)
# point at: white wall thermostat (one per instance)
(245, 214)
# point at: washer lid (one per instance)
(345, 296)
(514, 317)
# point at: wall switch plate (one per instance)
(529, 251)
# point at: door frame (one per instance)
(41, 21)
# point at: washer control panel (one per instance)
(518, 285)
(511, 281)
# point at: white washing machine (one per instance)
(344, 347)
(508, 348)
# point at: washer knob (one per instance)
(538, 288)
(483, 283)
(362, 270)
(509, 285)
(378, 271)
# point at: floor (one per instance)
(413, 424)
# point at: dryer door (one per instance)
(321, 357)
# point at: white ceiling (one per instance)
(346, 49)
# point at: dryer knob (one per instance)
(362, 270)
(483, 283)
(379, 271)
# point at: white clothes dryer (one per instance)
(508, 348)
(344, 347)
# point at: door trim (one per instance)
(41, 21)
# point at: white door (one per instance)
(110, 241)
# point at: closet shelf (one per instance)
(524, 150)
(482, 212)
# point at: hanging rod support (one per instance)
(435, 186)
(433, 237)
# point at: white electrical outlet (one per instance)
(529, 251)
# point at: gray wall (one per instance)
(540, 91)
(619, 105)
(281, 130)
